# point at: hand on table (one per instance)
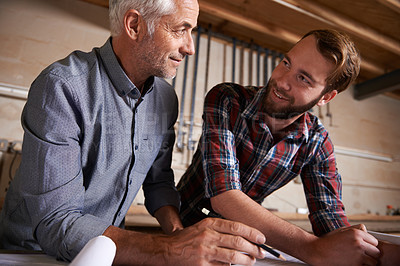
(347, 246)
(214, 242)
(390, 254)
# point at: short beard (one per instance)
(156, 63)
(288, 112)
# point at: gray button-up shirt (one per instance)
(91, 140)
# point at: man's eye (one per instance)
(180, 32)
(285, 63)
(304, 79)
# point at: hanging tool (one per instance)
(191, 142)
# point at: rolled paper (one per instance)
(99, 251)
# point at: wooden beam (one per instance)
(262, 27)
(268, 29)
(385, 83)
(371, 67)
(393, 94)
(392, 4)
(265, 28)
(103, 3)
(349, 25)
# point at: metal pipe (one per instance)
(233, 58)
(251, 51)
(179, 143)
(208, 59)
(274, 57)
(224, 65)
(241, 73)
(266, 77)
(258, 65)
(196, 64)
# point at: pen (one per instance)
(263, 246)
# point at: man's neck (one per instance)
(125, 59)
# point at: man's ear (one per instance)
(327, 97)
(133, 23)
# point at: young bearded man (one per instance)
(98, 126)
(256, 140)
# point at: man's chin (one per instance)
(168, 74)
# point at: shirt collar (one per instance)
(301, 127)
(123, 85)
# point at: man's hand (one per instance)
(390, 254)
(214, 242)
(346, 246)
(211, 241)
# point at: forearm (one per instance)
(237, 206)
(168, 217)
(135, 248)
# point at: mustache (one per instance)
(272, 85)
(178, 56)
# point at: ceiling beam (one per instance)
(385, 83)
(103, 3)
(269, 29)
(262, 27)
(349, 24)
(392, 4)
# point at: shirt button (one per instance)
(130, 182)
(136, 147)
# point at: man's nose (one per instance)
(188, 45)
(283, 81)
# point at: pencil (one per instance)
(263, 246)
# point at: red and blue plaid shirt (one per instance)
(237, 151)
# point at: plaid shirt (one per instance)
(237, 151)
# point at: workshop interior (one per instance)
(236, 41)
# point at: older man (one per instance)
(98, 126)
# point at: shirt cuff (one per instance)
(161, 197)
(325, 221)
(83, 229)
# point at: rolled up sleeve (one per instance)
(323, 185)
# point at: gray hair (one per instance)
(151, 11)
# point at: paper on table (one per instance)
(271, 260)
(386, 237)
(99, 251)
